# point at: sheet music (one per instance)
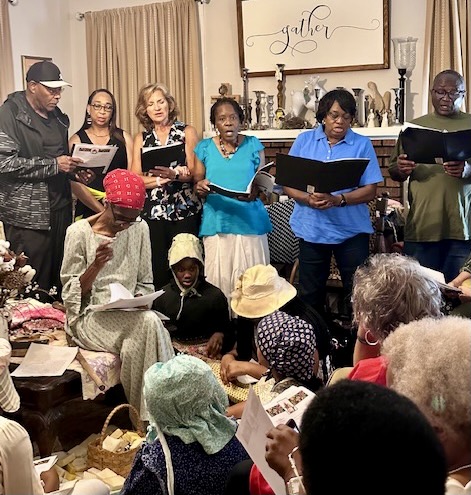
(45, 360)
(95, 156)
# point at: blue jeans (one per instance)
(314, 268)
(446, 256)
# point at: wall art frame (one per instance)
(313, 37)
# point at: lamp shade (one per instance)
(404, 52)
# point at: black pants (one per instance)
(44, 248)
(161, 234)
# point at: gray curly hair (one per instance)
(429, 361)
(390, 289)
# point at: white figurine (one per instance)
(385, 119)
(297, 102)
(371, 122)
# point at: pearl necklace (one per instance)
(466, 466)
(227, 154)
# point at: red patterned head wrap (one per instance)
(124, 188)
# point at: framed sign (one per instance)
(308, 36)
(27, 62)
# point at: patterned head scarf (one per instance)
(184, 399)
(124, 188)
(288, 343)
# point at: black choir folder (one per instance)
(309, 175)
(162, 156)
(425, 145)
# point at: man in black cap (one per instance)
(35, 171)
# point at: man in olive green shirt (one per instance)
(438, 225)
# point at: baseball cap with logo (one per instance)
(46, 73)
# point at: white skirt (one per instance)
(227, 256)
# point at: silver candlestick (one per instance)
(397, 104)
(270, 112)
(245, 79)
(357, 119)
(258, 96)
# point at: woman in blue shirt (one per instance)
(233, 229)
(336, 222)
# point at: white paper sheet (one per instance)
(45, 360)
(257, 419)
(44, 464)
(439, 277)
(252, 434)
(121, 298)
(94, 155)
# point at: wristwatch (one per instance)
(343, 201)
(294, 485)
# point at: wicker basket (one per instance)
(119, 462)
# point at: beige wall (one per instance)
(49, 28)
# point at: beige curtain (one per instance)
(133, 46)
(6, 70)
(448, 38)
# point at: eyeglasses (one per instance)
(346, 117)
(107, 107)
(53, 91)
(453, 95)
(231, 118)
(122, 220)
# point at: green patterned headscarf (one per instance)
(184, 399)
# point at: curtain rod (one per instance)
(80, 15)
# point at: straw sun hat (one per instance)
(260, 291)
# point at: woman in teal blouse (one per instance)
(233, 229)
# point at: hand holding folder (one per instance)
(310, 176)
(162, 156)
(424, 145)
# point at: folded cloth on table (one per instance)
(30, 309)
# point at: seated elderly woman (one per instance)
(191, 444)
(198, 310)
(114, 247)
(389, 289)
(429, 361)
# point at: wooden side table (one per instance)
(52, 407)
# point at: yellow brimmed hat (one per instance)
(260, 291)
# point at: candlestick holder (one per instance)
(263, 111)
(270, 112)
(404, 60)
(245, 79)
(280, 86)
(258, 110)
(357, 119)
(249, 114)
(397, 104)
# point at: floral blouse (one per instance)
(175, 200)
